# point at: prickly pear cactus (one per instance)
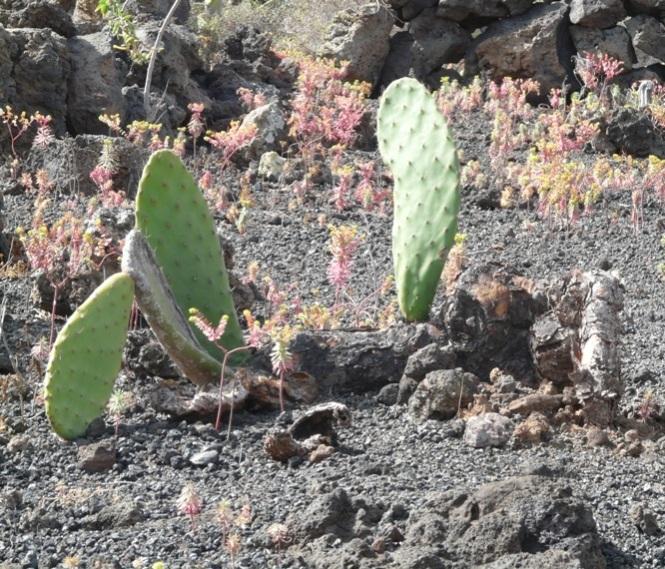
(160, 309)
(416, 143)
(87, 356)
(172, 214)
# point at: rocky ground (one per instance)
(452, 444)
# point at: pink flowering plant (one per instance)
(214, 334)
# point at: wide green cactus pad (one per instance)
(160, 309)
(172, 214)
(87, 356)
(416, 143)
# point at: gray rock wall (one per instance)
(56, 58)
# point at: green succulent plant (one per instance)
(173, 262)
(415, 142)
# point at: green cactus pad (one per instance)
(416, 144)
(160, 309)
(172, 214)
(86, 358)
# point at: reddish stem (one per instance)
(227, 354)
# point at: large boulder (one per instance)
(459, 10)
(399, 61)
(38, 14)
(596, 13)
(350, 361)
(487, 319)
(531, 522)
(647, 33)
(176, 64)
(86, 17)
(436, 41)
(655, 7)
(8, 49)
(614, 42)
(95, 84)
(38, 80)
(633, 132)
(361, 37)
(414, 8)
(535, 45)
(157, 9)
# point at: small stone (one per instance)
(631, 449)
(271, 166)
(270, 125)
(488, 430)
(30, 560)
(535, 402)
(204, 457)
(534, 429)
(596, 437)
(441, 394)
(454, 429)
(631, 436)
(536, 467)
(96, 429)
(11, 499)
(644, 520)
(281, 445)
(320, 453)
(430, 358)
(19, 443)
(98, 457)
(388, 394)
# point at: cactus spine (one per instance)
(415, 142)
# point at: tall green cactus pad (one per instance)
(416, 143)
(160, 309)
(86, 358)
(172, 214)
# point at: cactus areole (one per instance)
(416, 143)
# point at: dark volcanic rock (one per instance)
(596, 13)
(529, 521)
(647, 35)
(360, 36)
(501, 522)
(633, 132)
(430, 358)
(95, 84)
(459, 10)
(534, 45)
(358, 361)
(487, 318)
(98, 457)
(38, 81)
(436, 41)
(39, 14)
(157, 9)
(441, 394)
(615, 42)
